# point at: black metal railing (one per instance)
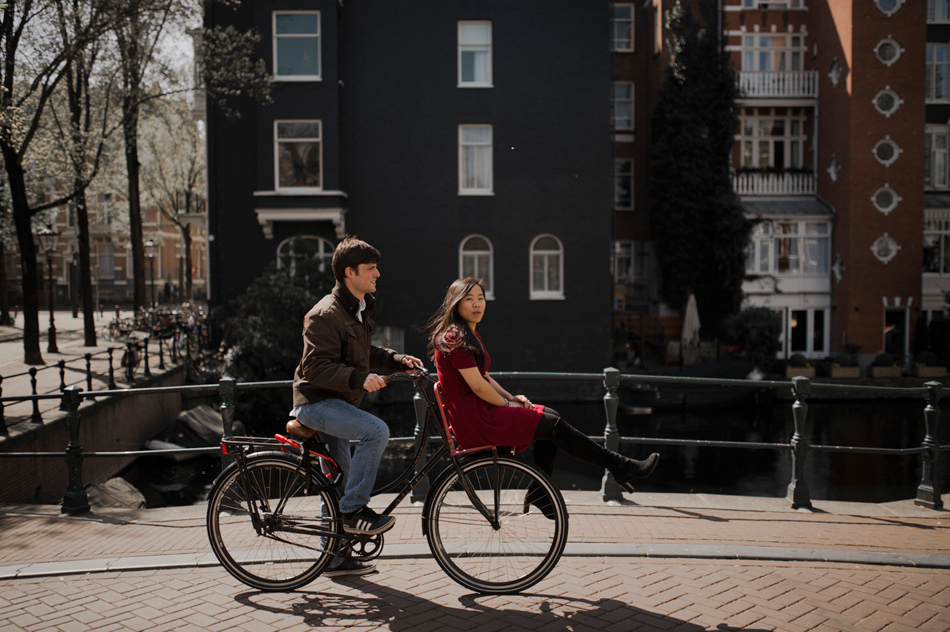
(928, 493)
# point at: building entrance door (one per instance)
(895, 331)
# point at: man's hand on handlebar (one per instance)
(412, 362)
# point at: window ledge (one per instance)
(477, 193)
(291, 192)
(475, 85)
(547, 297)
(296, 78)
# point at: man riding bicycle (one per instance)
(338, 366)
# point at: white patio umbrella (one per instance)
(690, 332)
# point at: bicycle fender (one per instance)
(427, 505)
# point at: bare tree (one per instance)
(34, 62)
(173, 171)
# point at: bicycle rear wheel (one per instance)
(524, 547)
(269, 526)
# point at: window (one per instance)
(834, 169)
(772, 141)
(297, 45)
(547, 268)
(937, 242)
(623, 105)
(936, 140)
(107, 261)
(298, 149)
(475, 159)
(628, 264)
(886, 151)
(790, 248)
(888, 51)
(623, 184)
(295, 251)
(938, 10)
(806, 330)
(887, 102)
(885, 248)
(772, 53)
(772, 4)
(889, 7)
(622, 28)
(476, 260)
(936, 86)
(885, 199)
(474, 54)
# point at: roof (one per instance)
(936, 200)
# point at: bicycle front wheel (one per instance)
(269, 526)
(519, 549)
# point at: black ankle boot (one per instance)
(632, 469)
(539, 498)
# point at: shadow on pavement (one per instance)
(398, 610)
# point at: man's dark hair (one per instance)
(350, 253)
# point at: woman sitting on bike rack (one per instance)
(482, 412)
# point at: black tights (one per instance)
(553, 433)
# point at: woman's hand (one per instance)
(522, 401)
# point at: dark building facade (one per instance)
(457, 137)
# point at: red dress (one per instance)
(475, 421)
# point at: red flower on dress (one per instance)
(450, 340)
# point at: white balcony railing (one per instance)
(788, 183)
(797, 85)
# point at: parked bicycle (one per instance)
(274, 519)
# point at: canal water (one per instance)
(683, 469)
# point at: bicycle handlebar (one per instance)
(408, 376)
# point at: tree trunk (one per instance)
(130, 128)
(85, 269)
(29, 272)
(4, 296)
(186, 244)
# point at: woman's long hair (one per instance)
(447, 331)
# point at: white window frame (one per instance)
(797, 241)
(488, 276)
(785, 51)
(809, 350)
(937, 228)
(323, 251)
(626, 253)
(105, 272)
(895, 199)
(887, 140)
(933, 66)
(475, 47)
(275, 37)
(465, 155)
(623, 24)
(936, 156)
(889, 12)
(932, 9)
(623, 175)
(623, 106)
(544, 293)
(898, 51)
(753, 140)
(278, 141)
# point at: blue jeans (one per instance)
(340, 423)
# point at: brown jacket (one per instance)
(338, 352)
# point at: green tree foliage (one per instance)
(262, 332)
(698, 226)
(756, 330)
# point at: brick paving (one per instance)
(661, 562)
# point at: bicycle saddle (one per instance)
(297, 429)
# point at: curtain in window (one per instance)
(476, 158)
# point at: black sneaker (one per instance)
(341, 566)
(365, 521)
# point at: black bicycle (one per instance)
(274, 518)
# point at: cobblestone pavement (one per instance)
(661, 562)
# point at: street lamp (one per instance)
(150, 255)
(49, 237)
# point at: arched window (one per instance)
(547, 268)
(296, 250)
(477, 260)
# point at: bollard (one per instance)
(422, 488)
(3, 421)
(129, 362)
(226, 391)
(88, 357)
(62, 375)
(928, 492)
(75, 500)
(798, 494)
(112, 384)
(148, 371)
(37, 418)
(611, 490)
(188, 346)
(161, 354)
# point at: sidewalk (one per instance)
(659, 561)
